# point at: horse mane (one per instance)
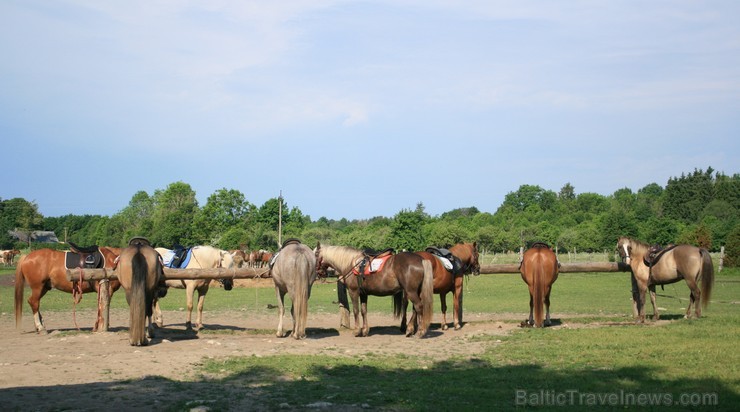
(637, 244)
(539, 245)
(342, 256)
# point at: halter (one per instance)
(627, 258)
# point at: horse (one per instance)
(239, 257)
(403, 274)
(446, 281)
(44, 269)
(539, 269)
(140, 271)
(7, 256)
(203, 257)
(293, 272)
(686, 262)
(265, 258)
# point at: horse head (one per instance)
(624, 249)
(227, 261)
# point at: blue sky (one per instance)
(358, 109)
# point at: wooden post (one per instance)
(721, 258)
(104, 304)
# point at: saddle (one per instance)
(83, 257)
(179, 257)
(139, 240)
(291, 241)
(372, 261)
(455, 264)
(655, 252)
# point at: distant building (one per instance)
(39, 236)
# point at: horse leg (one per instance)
(656, 315)
(694, 298)
(443, 306)
(530, 321)
(419, 312)
(363, 308)
(457, 299)
(201, 301)
(356, 311)
(405, 307)
(158, 319)
(34, 301)
(548, 322)
(189, 292)
(281, 312)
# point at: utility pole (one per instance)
(280, 220)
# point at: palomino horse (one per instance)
(7, 256)
(403, 274)
(673, 264)
(203, 257)
(539, 270)
(140, 272)
(44, 269)
(293, 272)
(446, 281)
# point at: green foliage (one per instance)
(732, 250)
(407, 230)
(698, 208)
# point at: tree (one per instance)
(20, 215)
(406, 229)
(224, 209)
(686, 197)
(173, 214)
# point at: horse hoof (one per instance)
(458, 327)
(445, 327)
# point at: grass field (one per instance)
(604, 362)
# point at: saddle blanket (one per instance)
(445, 262)
(374, 266)
(169, 255)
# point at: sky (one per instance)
(358, 109)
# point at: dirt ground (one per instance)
(68, 369)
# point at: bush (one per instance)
(732, 248)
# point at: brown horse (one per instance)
(403, 274)
(44, 269)
(539, 270)
(680, 262)
(140, 272)
(450, 280)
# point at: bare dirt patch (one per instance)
(71, 369)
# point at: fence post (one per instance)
(721, 258)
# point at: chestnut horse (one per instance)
(203, 257)
(539, 270)
(445, 281)
(404, 274)
(44, 269)
(680, 262)
(140, 272)
(294, 272)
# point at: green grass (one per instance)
(581, 365)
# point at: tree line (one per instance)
(700, 208)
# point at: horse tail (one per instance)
(538, 279)
(427, 294)
(398, 305)
(20, 283)
(301, 298)
(707, 277)
(137, 298)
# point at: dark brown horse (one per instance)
(450, 280)
(680, 262)
(44, 269)
(403, 274)
(141, 273)
(539, 270)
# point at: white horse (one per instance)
(294, 272)
(203, 257)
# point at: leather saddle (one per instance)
(88, 257)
